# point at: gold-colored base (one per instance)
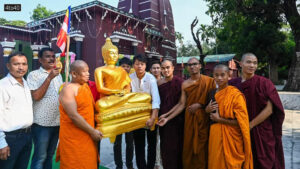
(112, 128)
(116, 117)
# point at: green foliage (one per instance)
(40, 12)
(188, 49)
(14, 23)
(253, 26)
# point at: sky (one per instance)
(184, 11)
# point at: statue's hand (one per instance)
(120, 93)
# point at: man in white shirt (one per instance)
(143, 82)
(15, 115)
(44, 84)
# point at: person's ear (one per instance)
(40, 59)
(8, 65)
(240, 63)
(73, 74)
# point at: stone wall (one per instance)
(290, 100)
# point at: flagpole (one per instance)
(67, 58)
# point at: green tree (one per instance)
(40, 12)
(251, 26)
(14, 23)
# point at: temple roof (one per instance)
(208, 58)
(85, 6)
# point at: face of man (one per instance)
(249, 64)
(155, 70)
(48, 60)
(221, 76)
(126, 67)
(167, 69)
(139, 67)
(193, 66)
(17, 66)
(82, 74)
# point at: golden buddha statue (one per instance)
(119, 110)
(58, 63)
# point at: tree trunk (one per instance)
(273, 71)
(293, 17)
(293, 83)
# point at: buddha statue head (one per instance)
(110, 53)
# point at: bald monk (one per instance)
(266, 115)
(77, 147)
(171, 134)
(229, 138)
(193, 98)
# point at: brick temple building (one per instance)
(136, 26)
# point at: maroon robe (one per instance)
(93, 87)
(171, 135)
(266, 137)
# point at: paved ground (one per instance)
(291, 139)
(291, 143)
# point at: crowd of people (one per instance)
(202, 122)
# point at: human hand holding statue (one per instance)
(96, 135)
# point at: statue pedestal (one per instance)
(123, 118)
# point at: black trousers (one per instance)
(139, 142)
(20, 144)
(118, 150)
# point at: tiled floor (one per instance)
(291, 144)
(291, 139)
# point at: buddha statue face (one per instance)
(110, 53)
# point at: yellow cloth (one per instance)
(230, 146)
(196, 126)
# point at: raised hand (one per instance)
(54, 72)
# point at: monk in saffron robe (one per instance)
(77, 147)
(171, 135)
(194, 93)
(229, 138)
(266, 115)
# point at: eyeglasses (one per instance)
(192, 64)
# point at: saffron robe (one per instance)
(229, 146)
(266, 137)
(195, 144)
(171, 135)
(76, 149)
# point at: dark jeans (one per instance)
(118, 151)
(45, 142)
(20, 144)
(139, 142)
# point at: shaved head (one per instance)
(80, 72)
(247, 55)
(193, 58)
(77, 66)
(167, 61)
(222, 66)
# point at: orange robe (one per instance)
(76, 149)
(195, 144)
(230, 146)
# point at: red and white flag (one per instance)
(64, 30)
